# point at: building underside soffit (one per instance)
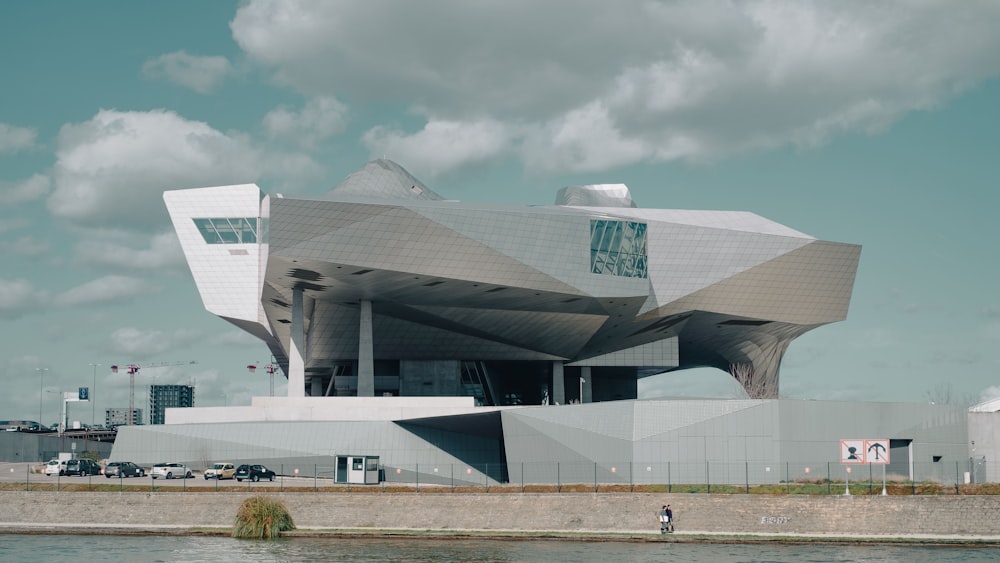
(559, 334)
(809, 286)
(399, 240)
(400, 339)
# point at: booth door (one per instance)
(341, 469)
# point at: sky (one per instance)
(870, 123)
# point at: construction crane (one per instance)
(270, 368)
(133, 369)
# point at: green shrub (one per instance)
(262, 518)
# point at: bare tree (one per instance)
(944, 394)
(940, 394)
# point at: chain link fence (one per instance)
(821, 477)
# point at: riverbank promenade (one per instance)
(592, 516)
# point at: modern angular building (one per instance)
(381, 287)
(456, 338)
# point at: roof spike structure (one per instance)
(382, 179)
(596, 195)
(383, 287)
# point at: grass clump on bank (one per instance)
(262, 518)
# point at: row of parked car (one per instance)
(121, 469)
(248, 471)
(80, 467)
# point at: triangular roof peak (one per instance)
(382, 179)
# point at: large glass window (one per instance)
(618, 248)
(228, 230)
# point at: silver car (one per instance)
(122, 469)
(170, 471)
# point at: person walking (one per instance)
(670, 519)
(664, 519)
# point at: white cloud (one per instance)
(585, 140)
(876, 338)
(236, 338)
(661, 81)
(203, 74)
(108, 289)
(990, 393)
(137, 344)
(19, 296)
(113, 169)
(441, 145)
(13, 224)
(14, 139)
(320, 119)
(991, 332)
(117, 250)
(24, 246)
(13, 193)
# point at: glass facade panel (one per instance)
(228, 230)
(618, 248)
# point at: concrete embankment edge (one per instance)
(610, 516)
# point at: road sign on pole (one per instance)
(852, 451)
(877, 452)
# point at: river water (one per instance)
(125, 549)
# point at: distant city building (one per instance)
(118, 416)
(163, 397)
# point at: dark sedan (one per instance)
(82, 467)
(253, 472)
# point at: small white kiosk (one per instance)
(357, 469)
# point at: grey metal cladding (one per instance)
(382, 179)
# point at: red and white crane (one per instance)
(270, 368)
(133, 369)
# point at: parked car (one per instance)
(55, 467)
(170, 471)
(220, 470)
(82, 467)
(253, 472)
(122, 469)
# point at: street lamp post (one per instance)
(41, 392)
(93, 401)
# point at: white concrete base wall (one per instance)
(317, 409)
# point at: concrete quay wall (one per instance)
(566, 512)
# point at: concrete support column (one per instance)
(586, 395)
(558, 384)
(316, 386)
(296, 348)
(366, 352)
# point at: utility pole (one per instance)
(93, 398)
(41, 393)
